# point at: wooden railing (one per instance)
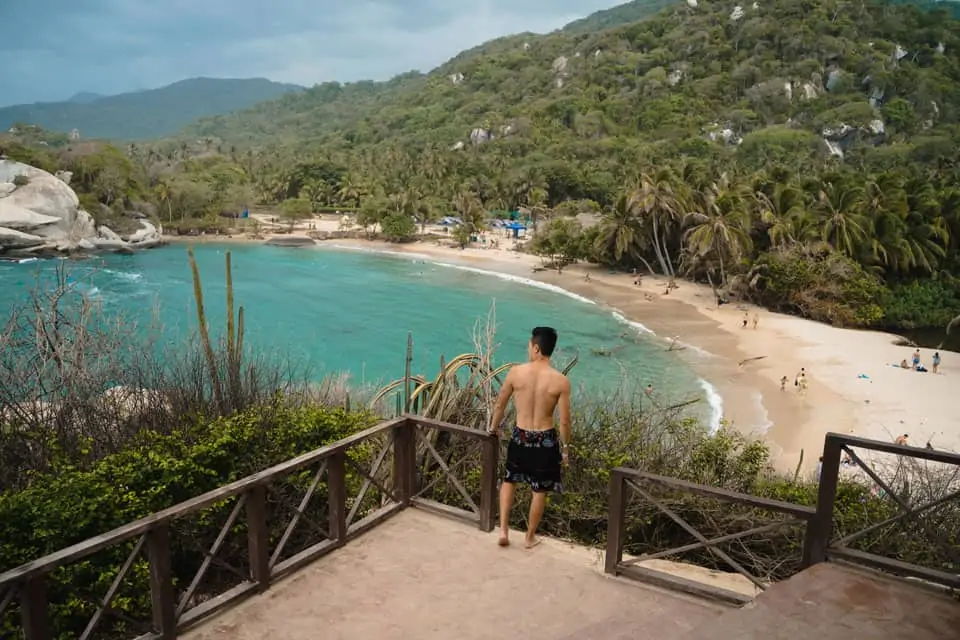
(823, 530)
(625, 482)
(273, 522)
(818, 521)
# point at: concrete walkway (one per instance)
(834, 602)
(421, 576)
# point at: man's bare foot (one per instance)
(533, 541)
(504, 541)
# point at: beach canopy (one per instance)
(516, 226)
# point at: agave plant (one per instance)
(449, 398)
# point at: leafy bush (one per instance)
(21, 180)
(68, 504)
(818, 284)
(398, 227)
(922, 303)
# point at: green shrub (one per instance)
(922, 303)
(21, 180)
(817, 284)
(69, 505)
(398, 227)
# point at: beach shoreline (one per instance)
(744, 365)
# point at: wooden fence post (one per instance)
(337, 487)
(488, 487)
(616, 515)
(405, 461)
(820, 527)
(33, 609)
(162, 596)
(258, 536)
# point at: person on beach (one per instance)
(936, 362)
(649, 390)
(916, 358)
(783, 383)
(756, 320)
(902, 440)
(537, 449)
(800, 380)
(746, 320)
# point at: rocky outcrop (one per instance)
(40, 214)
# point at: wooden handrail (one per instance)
(818, 520)
(29, 580)
(138, 527)
(800, 511)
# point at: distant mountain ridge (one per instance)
(143, 115)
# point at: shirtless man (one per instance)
(537, 449)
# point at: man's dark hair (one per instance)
(545, 338)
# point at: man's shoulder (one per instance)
(560, 378)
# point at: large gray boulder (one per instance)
(44, 195)
(13, 216)
(13, 239)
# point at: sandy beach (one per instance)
(853, 386)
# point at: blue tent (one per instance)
(516, 227)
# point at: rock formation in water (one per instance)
(40, 215)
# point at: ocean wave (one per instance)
(765, 422)
(125, 275)
(496, 274)
(622, 319)
(715, 402)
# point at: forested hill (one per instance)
(716, 138)
(618, 15)
(148, 114)
(668, 83)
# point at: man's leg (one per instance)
(506, 505)
(538, 502)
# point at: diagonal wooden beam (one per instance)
(915, 511)
(450, 476)
(114, 587)
(209, 555)
(377, 463)
(696, 534)
(298, 513)
(713, 541)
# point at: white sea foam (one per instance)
(764, 423)
(125, 275)
(715, 402)
(496, 274)
(622, 319)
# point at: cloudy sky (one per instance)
(113, 46)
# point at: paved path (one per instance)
(421, 576)
(833, 602)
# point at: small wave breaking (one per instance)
(486, 272)
(715, 402)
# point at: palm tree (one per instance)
(165, 194)
(621, 232)
(839, 209)
(782, 213)
(720, 226)
(351, 189)
(655, 198)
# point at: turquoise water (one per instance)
(348, 311)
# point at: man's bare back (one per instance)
(537, 389)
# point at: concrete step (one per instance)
(830, 601)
